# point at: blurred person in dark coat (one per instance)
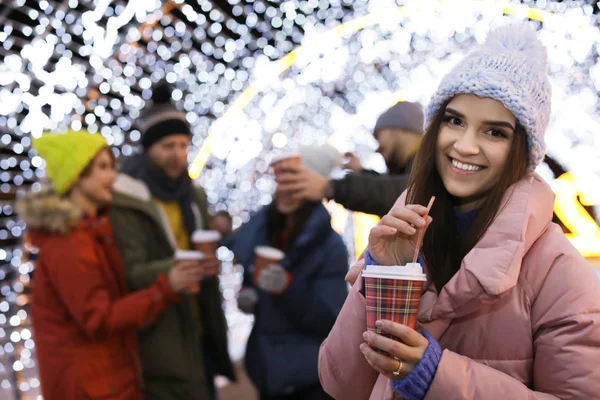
(295, 302)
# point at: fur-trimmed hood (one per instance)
(47, 212)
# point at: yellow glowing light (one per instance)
(585, 232)
(363, 223)
(339, 216)
(532, 13)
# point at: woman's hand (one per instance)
(354, 271)
(274, 279)
(393, 240)
(404, 355)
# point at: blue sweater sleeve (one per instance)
(368, 259)
(416, 384)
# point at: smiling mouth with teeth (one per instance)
(465, 167)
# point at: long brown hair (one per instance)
(442, 249)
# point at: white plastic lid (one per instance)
(188, 255)
(270, 253)
(284, 156)
(206, 236)
(410, 271)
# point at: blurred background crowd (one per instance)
(223, 89)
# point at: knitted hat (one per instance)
(510, 67)
(402, 115)
(321, 159)
(67, 155)
(162, 118)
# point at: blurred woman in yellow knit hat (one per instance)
(85, 322)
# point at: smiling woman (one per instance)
(473, 138)
(510, 309)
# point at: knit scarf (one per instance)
(164, 188)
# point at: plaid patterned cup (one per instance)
(394, 298)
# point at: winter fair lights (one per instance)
(254, 76)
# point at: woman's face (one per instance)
(97, 184)
(473, 146)
(285, 202)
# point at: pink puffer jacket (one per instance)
(519, 320)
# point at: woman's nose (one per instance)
(467, 144)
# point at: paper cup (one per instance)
(287, 160)
(265, 256)
(190, 255)
(393, 293)
(186, 255)
(206, 242)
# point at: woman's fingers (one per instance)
(405, 333)
(409, 215)
(419, 209)
(429, 221)
(399, 223)
(384, 364)
(393, 347)
(354, 271)
(382, 231)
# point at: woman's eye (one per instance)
(452, 120)
(496, 133)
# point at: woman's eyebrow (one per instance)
(493, 123)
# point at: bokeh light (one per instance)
(252, 77)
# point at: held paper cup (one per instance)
(190, 255)
(206, 242)
(393, 293)
(286, 160)
(187, 255)
(265, 256)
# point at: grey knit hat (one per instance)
(511, 67)
(403, 115)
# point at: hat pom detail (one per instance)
(162, 93)
(519, 38)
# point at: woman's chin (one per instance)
(467, 199)
(287, 208)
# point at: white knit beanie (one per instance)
(511, 67)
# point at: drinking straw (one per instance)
(422, 232)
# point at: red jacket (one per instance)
(84, 321)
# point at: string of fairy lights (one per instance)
(92, 64)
